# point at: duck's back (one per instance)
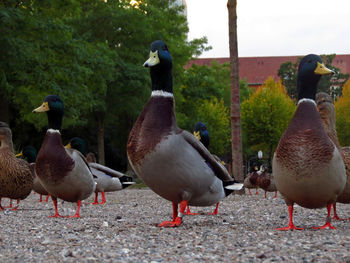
(16, 179)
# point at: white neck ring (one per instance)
(162, 93)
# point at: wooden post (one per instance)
(237, 158)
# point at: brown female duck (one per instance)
(16, 180)
(250, 182)
(64, 173)
(307, 166)
(266, 181)
(326, 109)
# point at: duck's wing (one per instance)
(106, 170)
(219, 170)
(78, 156)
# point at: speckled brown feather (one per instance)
(345, 195)
(143, 138)
(266, 181)
(304, 140)
(47, 166)
(326, 109)
(346, 155)
(16, 180)
(247, 182)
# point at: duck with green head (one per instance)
(64, 173)
(16, 180)
(171, 161)
(307, 166)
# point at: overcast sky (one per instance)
(273, 27)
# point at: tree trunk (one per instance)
(237, 158)
(100, 138)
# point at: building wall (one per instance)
(255, 70)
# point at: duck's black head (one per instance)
(160, 64)
(77, 144)
(310, 71)
(53, 106)
(200, 131)
(29, 153)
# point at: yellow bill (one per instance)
(153, 59)
(44, 107)
(321, 69)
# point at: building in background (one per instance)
(256, 70)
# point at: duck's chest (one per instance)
(154, 125)
(53, 163)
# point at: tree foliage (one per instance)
(90, 53)
(215, 115)
(265, 116)
(204, 88)
(342, 109)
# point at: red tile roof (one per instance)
(257, 69)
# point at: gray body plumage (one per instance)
(176, 171)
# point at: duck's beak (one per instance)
(153, 59)
(19, 154)
(44, 107)
(321, 69)
(197, 135)
(68, 146)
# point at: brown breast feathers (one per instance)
(156, 121)
(305, 140)
(53, 163)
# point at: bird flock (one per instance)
(309, 167)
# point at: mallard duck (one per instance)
(250, 181)
(326, 109)
(169, 160)
(64, 173)
(201, 132)
(29, 153)
(307, 166)
(266, 181)
(16, 181)
(107, 179)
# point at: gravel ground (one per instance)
(125, 230)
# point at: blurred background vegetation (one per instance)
(90, 53)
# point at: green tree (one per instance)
(90, 53)
(205, 83)
(127, 93)
(265, 116)
(40, 56)
(342, 109)
(216, 117)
